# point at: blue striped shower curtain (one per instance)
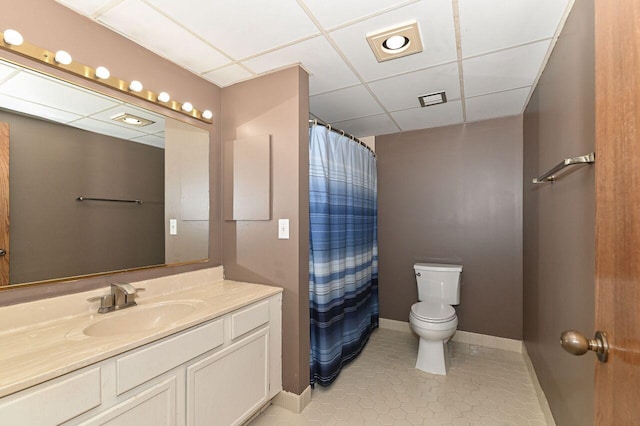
(343, 253)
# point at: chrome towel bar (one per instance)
(550, 176)
(82, 198)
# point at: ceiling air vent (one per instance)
(431, 99)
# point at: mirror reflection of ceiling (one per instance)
(503, 46)
(41, 96)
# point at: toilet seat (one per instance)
(433, 312)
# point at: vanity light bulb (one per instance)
(187, 107)
(13, 38)
(206, 114)
(164, 97)
(62, 57)
(102, 73)
(135, 86)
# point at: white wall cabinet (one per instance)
(218, 373)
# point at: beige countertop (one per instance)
(43, 340)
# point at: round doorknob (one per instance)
(576, 344)
(3, 252)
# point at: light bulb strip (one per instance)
(44, 56)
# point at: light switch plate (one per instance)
(173, 227)
(283, 229)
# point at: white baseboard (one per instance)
(390, 324)
(542, 399)
(494, 342)
(292, 401)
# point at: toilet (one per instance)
(433, 318)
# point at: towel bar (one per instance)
(550, 176)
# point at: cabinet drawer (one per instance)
(158, 358)
(249, 318)
(53, 403)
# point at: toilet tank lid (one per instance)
(437, 267)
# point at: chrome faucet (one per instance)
(122, 296)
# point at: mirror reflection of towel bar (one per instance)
(82, 198)
(551, 177)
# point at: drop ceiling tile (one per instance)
(150, 140)
(331, 13)
(496, 105)
(433, 116)
(344, 104)
(108, 129)
(507, 69)
(380, 124)
(328, 70)
(487, 25)
(162, 36)
(402, 92)
(435, 19)
(228, 75)
(43, 90)
(155, 127)
(242, 29)
(85, 7)
(36, 110)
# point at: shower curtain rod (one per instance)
(315, 121)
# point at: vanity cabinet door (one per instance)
(155, 406)
(227, 387)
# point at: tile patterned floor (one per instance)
(381, 387)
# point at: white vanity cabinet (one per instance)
(217, 373)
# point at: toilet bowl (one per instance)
(433, 318)
(434, 323)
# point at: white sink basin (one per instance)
(140, 318)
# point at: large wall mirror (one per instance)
(93, 184)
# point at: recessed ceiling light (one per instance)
(431, 99)
(396, 42)
(132, 120)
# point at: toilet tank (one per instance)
(438, 282)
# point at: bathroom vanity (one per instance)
(196, 351)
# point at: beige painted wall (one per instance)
(559, 220)
(52, 26)
(252, 250)
(453, 195)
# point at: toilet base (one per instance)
(433, 356)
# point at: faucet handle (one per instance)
(107, 302)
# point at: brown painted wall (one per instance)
(276, 104)
(559, 220)
(453, 195)
(52, 26)
(52, 234)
